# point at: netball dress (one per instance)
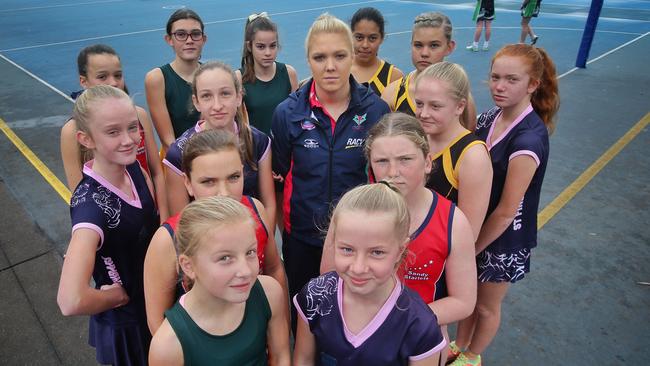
(246, 345)
(125, 226)
(404, 329)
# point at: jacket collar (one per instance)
(359, 96)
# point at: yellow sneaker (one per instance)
(463, 360)
(453, 352)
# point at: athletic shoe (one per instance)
(486, 47)
(453, 352)
(534, 40)
(463, 360)
(472, 48)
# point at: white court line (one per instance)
(60, 6)
(545, 28)
(605, 54)
(163, 29)
(561, 76)
(37, 78)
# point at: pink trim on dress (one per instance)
(135, 202)
(512, 125)
(298, 309)
(524, 152)
(173, 168)
(266, 152)
(93, 227)
(430, 352)
(357, 340)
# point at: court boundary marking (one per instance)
(163, 29)
(60, 5)
(544, 216)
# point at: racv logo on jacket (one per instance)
(320, 163)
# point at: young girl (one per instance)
(367, 26)
(441, 238)
(430, 43)
(217, 95)
(318, 135)
(113, 219)
(231, 316)
(100, 65)
(167, 87)
(483, 16)
(212, 165)
(266, 82)
(524, 88)
(361, 314)
(462, 171)
(529, 9)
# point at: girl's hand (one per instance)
(118, 293)
(277, 177)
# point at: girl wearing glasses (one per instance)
(266, 82)
(168, 90)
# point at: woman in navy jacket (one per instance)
(318, 134)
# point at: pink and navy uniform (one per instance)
(428, 250)
(125, 226)
(526, 135)
(261, 148)
(404, 329)
(261, 232)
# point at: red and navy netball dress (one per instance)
(125, 227)
(428, 250)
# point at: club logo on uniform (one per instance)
(359, 120)
(307, 125)
(311, 144)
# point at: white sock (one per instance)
(475, 44)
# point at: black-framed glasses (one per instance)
(182, 35)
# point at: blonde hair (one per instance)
(458, 84)
(434, 20)
(327, 23)
(85, 103)
(204, 215)
(376, 198)
(398, 124)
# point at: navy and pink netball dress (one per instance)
(405, 329)
(125, 226)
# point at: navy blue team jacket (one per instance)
(320, 166)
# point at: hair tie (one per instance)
(260, 15)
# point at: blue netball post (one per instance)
(588, 35)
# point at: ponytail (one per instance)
(254, 23)
(546, 98)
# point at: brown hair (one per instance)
(434, 20)
(245, 134)
(398, 124)
(206, 142)
(546, 98)
(259, 22)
